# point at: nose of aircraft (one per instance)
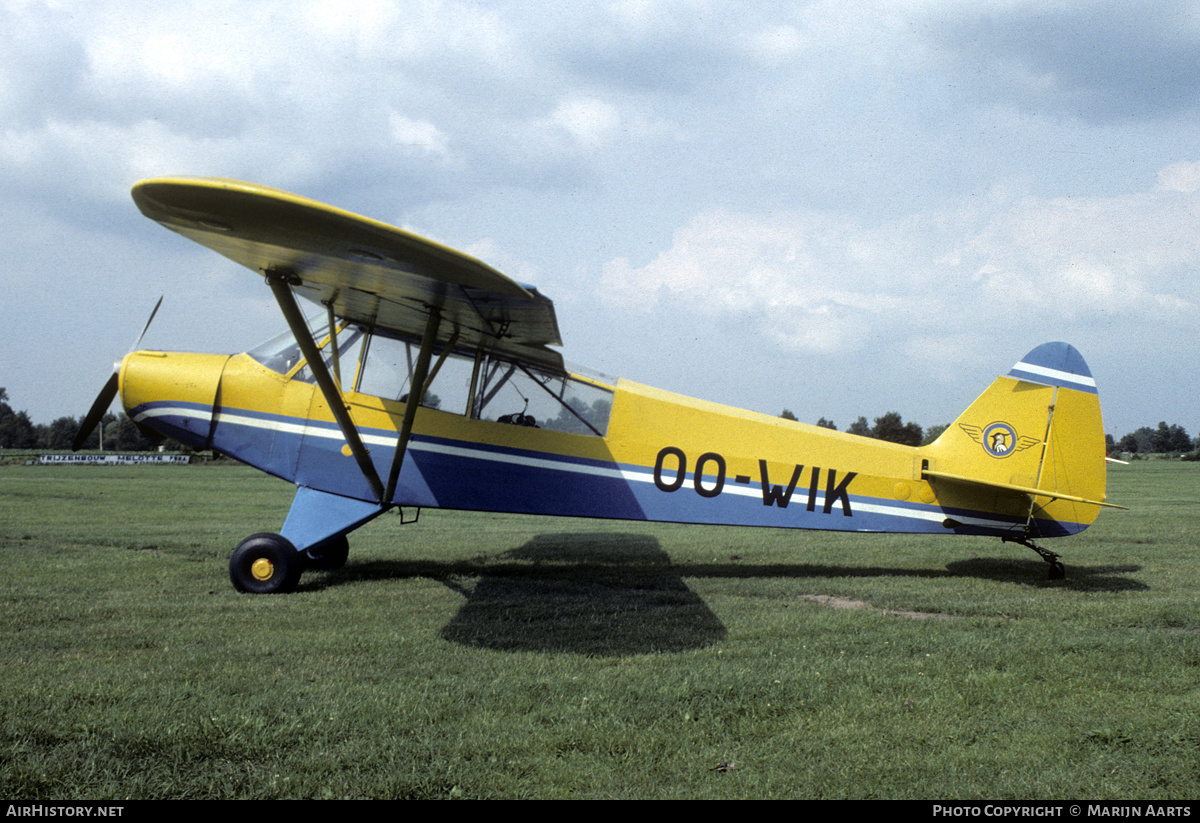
(173, 393)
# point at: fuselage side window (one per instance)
(385, 369)
(520, 395)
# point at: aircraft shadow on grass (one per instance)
(1100, 578)
(620, 594)
(595, 594)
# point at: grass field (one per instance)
(487, 656)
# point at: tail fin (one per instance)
(1031, 446)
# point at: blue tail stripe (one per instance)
(1055, 364)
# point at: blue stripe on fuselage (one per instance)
(458, 474)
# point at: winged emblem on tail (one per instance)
(998, 439)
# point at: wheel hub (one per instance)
(262, 569)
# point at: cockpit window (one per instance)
(472, 384)
(280, 353)
(520, 395)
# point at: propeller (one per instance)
(108, 393)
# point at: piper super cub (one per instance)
(433, 381)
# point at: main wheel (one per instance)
(331, 557)
(1057, 571)
(265, 563)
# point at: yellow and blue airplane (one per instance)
(432, 380)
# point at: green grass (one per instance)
(485, 656)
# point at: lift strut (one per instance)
(281, 282)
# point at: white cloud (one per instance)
(822, 282)
(591, 122)
(1181, 177)
(778, 44)
(421, 135)
(810, 279)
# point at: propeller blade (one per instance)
(108, 393)
(96, 412)
(138, 342)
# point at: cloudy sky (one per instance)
(842, 208)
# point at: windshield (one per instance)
(280, 353)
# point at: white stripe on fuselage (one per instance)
(628, 474)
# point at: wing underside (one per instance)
(365, 271)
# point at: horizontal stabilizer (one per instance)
(1012, 487)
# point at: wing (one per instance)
(370, 272)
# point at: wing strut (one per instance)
(280, 281)
(416, 393)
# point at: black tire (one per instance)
(265, 563)
(332, 555)
(1057, 571)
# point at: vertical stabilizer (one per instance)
(1034, 440)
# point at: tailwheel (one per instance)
(1057, 570)
(265, 563)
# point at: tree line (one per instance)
(890, 427)
(1169, 439)
(120, 433)
(1166, 439)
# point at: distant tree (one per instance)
(93, 440)
(861, 427)
(933, 433)
(1166, 439)
(1170, 439)
(892, 428)
(16, 429)
(1180, 442)
(826, 424)
(1145, 440)
(17, 432)
(59, 435)
(122, 434)
(597, 415)
(1161, 439)
(786, 414)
